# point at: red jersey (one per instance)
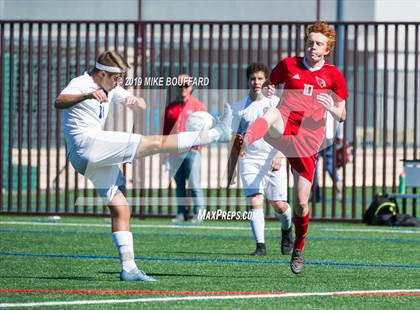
(176, 114)
(301, 86)
(303, 116)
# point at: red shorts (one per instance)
(300, 142)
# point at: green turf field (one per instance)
(213, 258)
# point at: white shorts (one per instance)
(99, 157)
(258, 178)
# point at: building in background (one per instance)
(210, 10)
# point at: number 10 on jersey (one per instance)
(308, 89)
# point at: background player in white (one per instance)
(97, 154)
(262, 168)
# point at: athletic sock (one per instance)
(285, 218)
(301, 229)
(256, 131)
(123, 241)
(188, 139)
(257, 224)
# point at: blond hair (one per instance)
(112, 59)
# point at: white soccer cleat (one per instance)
(196, 219)
(136, 275)
(179, 219)
(225, 124)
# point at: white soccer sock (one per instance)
(257, 224)
(285, 218)
(188, 139)
(123, 241)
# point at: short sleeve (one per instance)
(73, 88)
(279, 73)
(339, 87)
(119, 94)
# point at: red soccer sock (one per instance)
(256, 131)
(301, 229)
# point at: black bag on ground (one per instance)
(405, 220)
(398, 219)
(381, 205)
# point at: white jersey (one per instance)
(245, 112)
(88, 116)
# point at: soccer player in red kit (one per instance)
(312, 88)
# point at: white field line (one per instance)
(202, 227)
(372, 230)
(198, 298)
(132, 225)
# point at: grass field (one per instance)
(206, 266)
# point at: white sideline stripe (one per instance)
(367, 230)
(133, 225)
(397, 231)
(195, 298)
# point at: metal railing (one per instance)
(380, 62)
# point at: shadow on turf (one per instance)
(202, 253)
(154, 274)
(51, 278)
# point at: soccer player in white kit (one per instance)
(97, 154)
(263, 168)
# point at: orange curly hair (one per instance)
(326, 30)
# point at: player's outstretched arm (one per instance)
(65, 101)
(135, 103)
